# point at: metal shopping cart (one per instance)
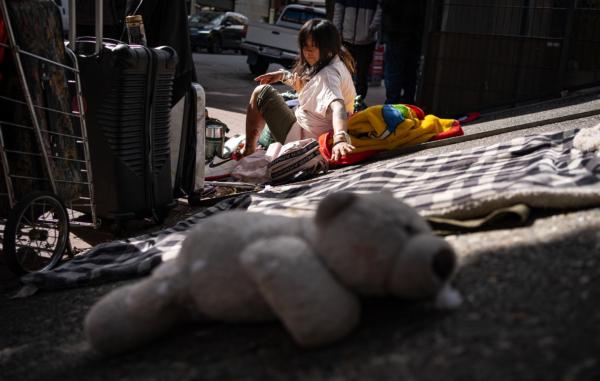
(48, 183)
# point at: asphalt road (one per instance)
(226, 80)
(228, 85)
(530, 310)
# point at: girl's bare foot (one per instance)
(248, 151)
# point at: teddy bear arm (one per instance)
(313, 306)
(131, 316)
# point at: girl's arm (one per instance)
(269, 78)
(291, 79)
(341, 140)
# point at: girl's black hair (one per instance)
(326, 37)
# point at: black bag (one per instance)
(298, 160)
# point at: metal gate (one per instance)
(483, 54)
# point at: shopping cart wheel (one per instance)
(36, 233)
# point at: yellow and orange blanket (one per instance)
(388, 127)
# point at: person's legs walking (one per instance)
(401, 59)
(392, 76)
(363, 55)
(412, 53)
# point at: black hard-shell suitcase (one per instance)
(127, 92)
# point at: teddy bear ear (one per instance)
(332, 205)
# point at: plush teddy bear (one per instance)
(308, 272)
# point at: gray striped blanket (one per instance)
(540, 170)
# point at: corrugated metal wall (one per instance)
(485, 54)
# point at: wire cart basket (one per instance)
(48, 186)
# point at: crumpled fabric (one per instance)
(254, 168)
(588, 139)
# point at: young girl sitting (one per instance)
(323, 80)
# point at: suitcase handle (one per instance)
(93, 39)
(99, 23)
(83, 45)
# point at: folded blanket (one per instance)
(388, 127)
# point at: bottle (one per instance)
(135, 30)
(214, 138)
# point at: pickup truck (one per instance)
(277, 43)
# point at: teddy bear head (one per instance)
(377, 245)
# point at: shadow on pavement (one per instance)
(528, 313)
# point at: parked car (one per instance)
(216, 31)
(278, 43)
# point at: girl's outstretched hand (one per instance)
(294, 80)
(269, 78)
(341, 149)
